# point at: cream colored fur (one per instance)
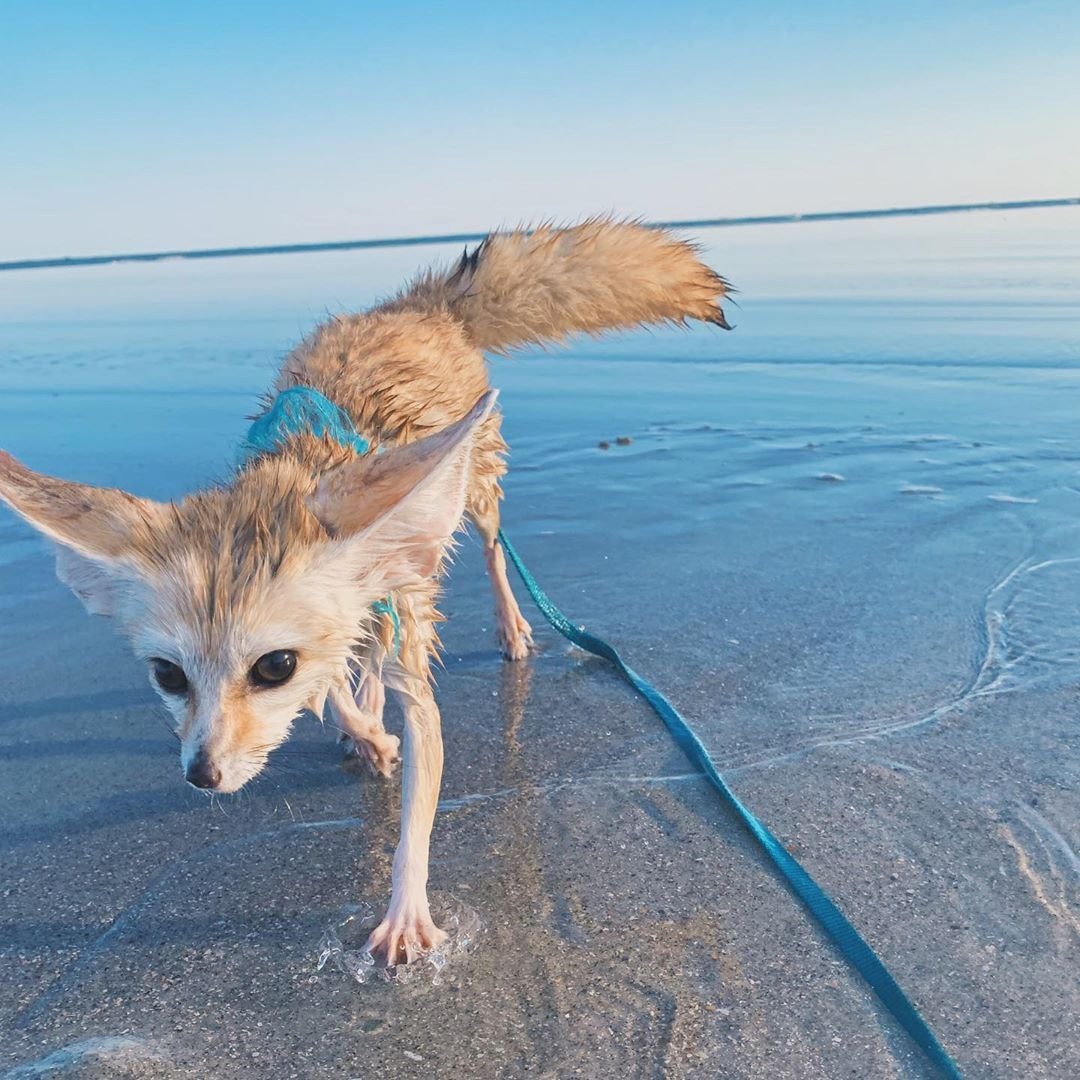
(294, 550)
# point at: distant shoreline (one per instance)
(469, 238)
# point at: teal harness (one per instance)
(303, 409)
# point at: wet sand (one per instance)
(884, 663)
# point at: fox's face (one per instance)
(245, 602)
(238, 645)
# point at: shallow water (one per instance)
(845, 539)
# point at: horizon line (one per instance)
(476, 237)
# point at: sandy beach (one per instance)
(844, 539)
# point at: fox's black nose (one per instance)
(202, 772)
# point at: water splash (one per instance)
(343, 945)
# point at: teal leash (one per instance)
(855, 950)
(302, 408)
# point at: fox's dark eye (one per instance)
(169, 676)
(274, 668)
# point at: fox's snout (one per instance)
(202, 771)
(217, 769)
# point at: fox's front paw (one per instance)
(404, 938)
(514, 635)
(380, 751)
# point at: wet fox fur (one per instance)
(252, 601)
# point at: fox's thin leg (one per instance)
(360, 719)
(485, 493)
(408, 931)
(511, 630)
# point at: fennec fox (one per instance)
(253, 601)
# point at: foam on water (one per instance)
(103, 1054)
(1033, 619)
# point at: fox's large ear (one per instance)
(401, 507)
(99, 529)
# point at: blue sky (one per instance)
(150, 125)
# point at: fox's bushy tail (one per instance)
(528, 287)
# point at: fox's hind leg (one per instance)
(511, 630)
(513, 633)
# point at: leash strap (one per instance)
(847, 939)
(303, 408)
